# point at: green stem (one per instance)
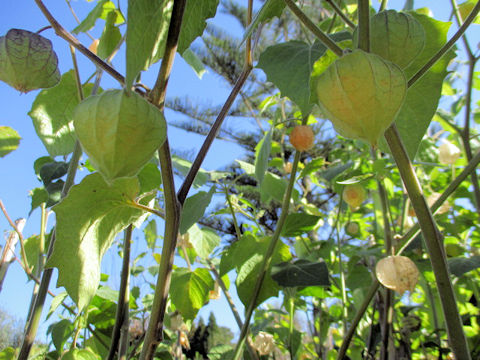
(447, 45)
(434, 242)
(291, 314)
(234, 217)
(324, 38)
(471, 166)
(341, 14)
(433, 307)
(268, 258)
(34, 321)
(154, 334)
(230, 302)
(121, 316)
(465, 134)
(364, 25)
(383, 5)
(356, 320)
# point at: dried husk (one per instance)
(27, 61)
(119, 132)
(361, 94)
(397, 273)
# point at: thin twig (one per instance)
(447, 46)
(72, 40)
(340, 13)
(20, 236)
(121, 316)
(324, 38)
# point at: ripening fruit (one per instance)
(354, 195)
(94, 46)
(302, 137)
(352, 228)
(397, 273)
(27, 61)
(361, 94)
(396, 36)
(119, 132)
(448, 153)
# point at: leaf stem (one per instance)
(268, 257)
(121, 316)
(364, 25)
(304, 19)
(447, 45)
(413, 231)
(434, 242)
(154, 332)
(64, 34)
(341, 14)
(356, 320)
(230, 302)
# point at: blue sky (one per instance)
(16, 169)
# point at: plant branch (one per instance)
(154, 332)
(268, 257)
(434, 242)
(202, 153)
(64, 34)
(341, 14)
(413, 231)
(20, 236)
(447, 45)
(123, 295)
(34, 320)
(364, 25)
(305, 20)
(230, 302)
(356, 320)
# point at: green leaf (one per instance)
(52, 171)
(9, 140)
(148, 22)
(88, 220)
(204, 241)
(54, 190)
(32, 250)
(274, 187)
(301, 273)
(189, 290)
(246, 256)
(262, 153)
(194, 208)
(52, 113)
(100, 11)
(289, 65)
(8, 354)
(195, 63)
(298, 224)
(183, 166)
(79, 354)
(110, 38)
(195, 16)
(220, 352)
(56, 302)
(422, 98)
(149, 178)
(333, 171)
(61, 331)
(269, 10)
(151, 235)
(461, 265)
(248, 168)
(312, 166)
(358, 277)
(466, 8)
